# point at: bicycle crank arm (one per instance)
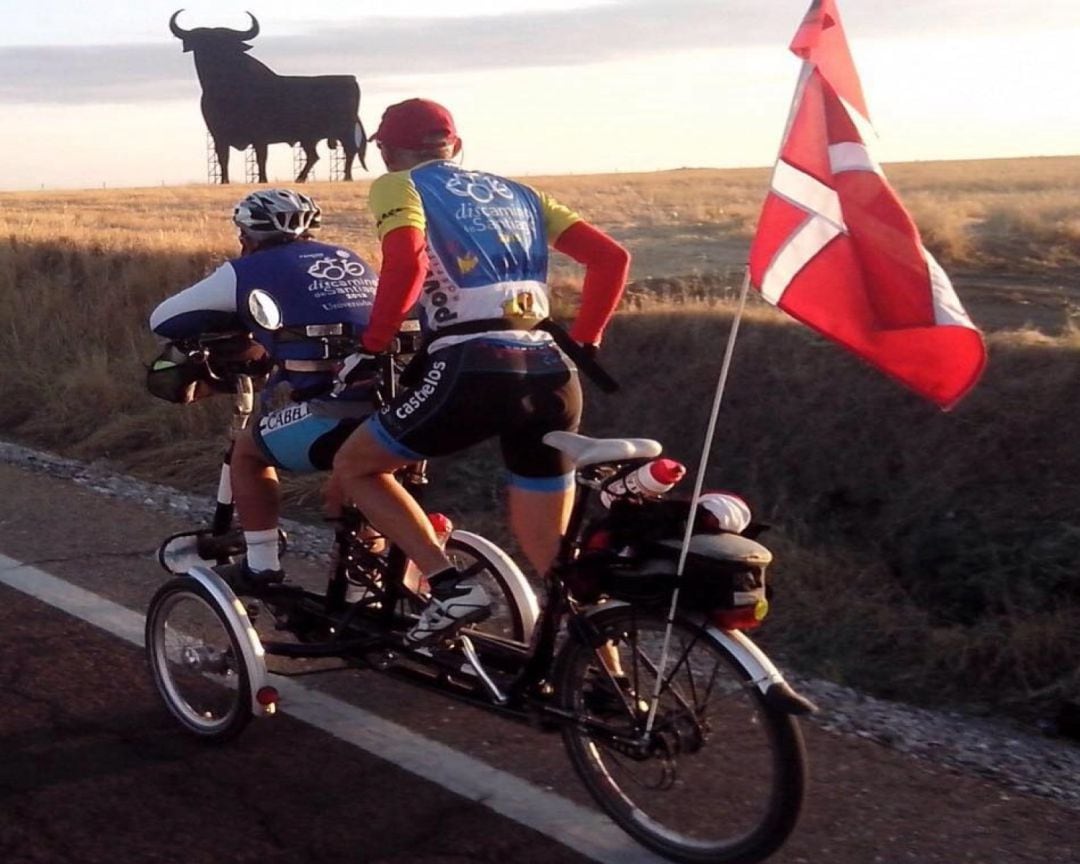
(474, 661)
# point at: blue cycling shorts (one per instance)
(305, 436)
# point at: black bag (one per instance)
(184, 373)
(632, 553)
(179, 376)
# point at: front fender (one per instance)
(251, 647)
(520, 589)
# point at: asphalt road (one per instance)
(93, 769)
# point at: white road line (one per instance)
(577, 827)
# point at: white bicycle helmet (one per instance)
(271, 213)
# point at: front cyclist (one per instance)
(473, 248)
(306, 303)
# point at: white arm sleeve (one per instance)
(200, 308)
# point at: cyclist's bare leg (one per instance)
(538, 520)
(333, 497)
(256, 490)
(364, 469)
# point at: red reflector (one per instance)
(267, 696)
(740, 618)
(598, 540)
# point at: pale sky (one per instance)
(100, 93)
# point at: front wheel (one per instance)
(196, 661)
(720, 775)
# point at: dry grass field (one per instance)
(926, 556)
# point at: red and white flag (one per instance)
(836, 249)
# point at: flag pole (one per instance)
(721, 383)
(804, 75)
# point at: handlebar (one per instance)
(236, 364)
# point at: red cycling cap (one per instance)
(415, 124)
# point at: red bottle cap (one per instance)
(441, 523)
(667, 472)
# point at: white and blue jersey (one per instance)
(487, 243)
(310, 283)
(323, 295)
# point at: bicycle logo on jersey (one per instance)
(482, 188)
(335, 269)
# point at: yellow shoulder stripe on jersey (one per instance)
(557, 217)
(395, 203)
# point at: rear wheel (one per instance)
(720, 775)
(196, 661)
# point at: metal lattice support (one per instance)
(298, 159)
(251, 166)
(213, 167)
(337, 162)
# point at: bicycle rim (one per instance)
(721, 776)
(196, 662)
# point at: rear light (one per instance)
(268, 698)
(741, 617)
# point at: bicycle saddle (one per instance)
(584, 450)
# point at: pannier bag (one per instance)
(632, 554)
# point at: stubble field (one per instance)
(925, 556)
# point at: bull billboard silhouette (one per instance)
(246, 104)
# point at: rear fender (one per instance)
(760, 670)
(763, 674)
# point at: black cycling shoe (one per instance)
(240, 577)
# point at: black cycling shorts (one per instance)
(484, 388)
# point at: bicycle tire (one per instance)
(196, 661)
(734, 767)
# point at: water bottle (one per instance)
(651, 479)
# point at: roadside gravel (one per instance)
(997, 749)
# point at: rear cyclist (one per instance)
(306, 303)
(472, 247)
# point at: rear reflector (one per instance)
(741, 617)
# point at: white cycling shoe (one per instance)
(450, 608)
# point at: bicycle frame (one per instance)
(368, 633)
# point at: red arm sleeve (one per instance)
(402, 275)
(606, 267)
